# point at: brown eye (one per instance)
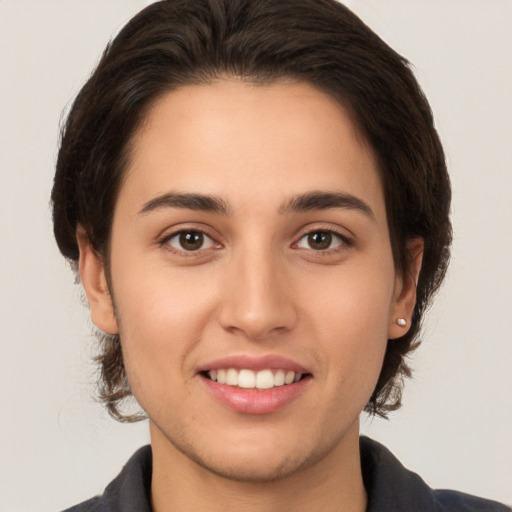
(322, 240)
(190, 241)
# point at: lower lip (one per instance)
(256, 401)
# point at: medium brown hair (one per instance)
(177, 42)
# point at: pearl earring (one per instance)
(402, 322)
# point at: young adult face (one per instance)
(250, 234)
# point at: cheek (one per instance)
(351, 317)
(355, 299)
(161, 317)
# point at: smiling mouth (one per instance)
(249, 379)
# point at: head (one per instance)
(174, 44)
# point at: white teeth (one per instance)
(289, 377)
(279, 378)
(232, 377)
(247, 379)
(265, 379)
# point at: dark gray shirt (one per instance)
(390, 488)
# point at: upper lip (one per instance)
(255, 363)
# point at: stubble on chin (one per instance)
(234, 469)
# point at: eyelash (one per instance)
(164, 242)
(345, 242)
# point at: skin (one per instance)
(257, 286)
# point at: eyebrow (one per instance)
(310, 201)
(319, 200)
(197, 202)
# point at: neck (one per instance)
(332, 483)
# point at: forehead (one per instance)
(242, 140)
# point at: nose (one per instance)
(256, 299)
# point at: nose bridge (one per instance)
(256, 301)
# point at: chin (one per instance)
(257, 459)
(253, 467)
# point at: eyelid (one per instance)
(169, 233)
(347, 240)
(206, 240)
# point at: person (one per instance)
(256, 201)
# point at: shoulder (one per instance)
(92, 505)
(453, 500)
(390, 486)
(128, 492)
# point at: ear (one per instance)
(94, 281)
(405, 291)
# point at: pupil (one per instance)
(191, 240)
(319, 240)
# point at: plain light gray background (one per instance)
(58, 447)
